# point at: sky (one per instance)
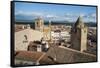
(53, 12)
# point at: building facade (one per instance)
(25, 36)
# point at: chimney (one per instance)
(39, 47)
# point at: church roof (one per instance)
(34, 56)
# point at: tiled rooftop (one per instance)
(68, 55)
(29, 55)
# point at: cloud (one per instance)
(72, 17)
(51, 16)
(87, 17)
(33, 14)
(91, 17)
(36, 15)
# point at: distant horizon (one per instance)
(30, 11)
(26, 21)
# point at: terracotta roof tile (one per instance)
(29, 55)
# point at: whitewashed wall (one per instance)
(32, 35)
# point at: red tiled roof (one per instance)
(46, 60)
(40, 57)
(29, 55)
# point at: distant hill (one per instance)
(90, 24)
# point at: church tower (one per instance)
(79, 35)
(39, 24)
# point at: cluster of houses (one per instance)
(43, 45)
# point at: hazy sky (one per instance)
(31, 11)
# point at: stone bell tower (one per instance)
(39, 24)
(79, 35)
